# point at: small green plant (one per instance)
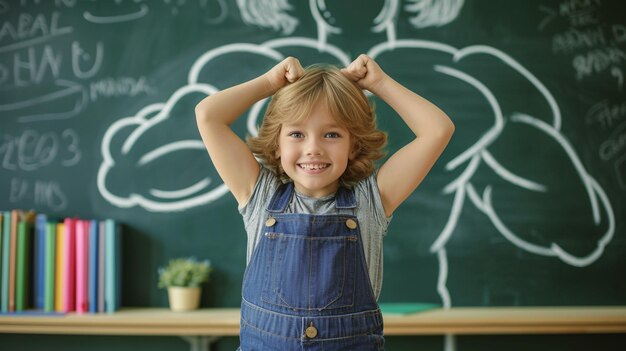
(184, 272)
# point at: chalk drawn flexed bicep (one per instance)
(151, 160)
(556, 185)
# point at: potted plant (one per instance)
(183, 278)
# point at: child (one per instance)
(316, 210)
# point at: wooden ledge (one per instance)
(225, 321)
(510, 320)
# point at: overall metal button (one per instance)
(351, 223)
(270, 221)
(311, 331)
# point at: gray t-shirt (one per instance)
(369, 212)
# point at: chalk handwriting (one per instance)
(125, 17)
(588, 38)
(50, 194)
(120, 86)
(614, 145)
(31, 61)
(41, 193)
(80, 55)
(132, 10)
(71, 142)
(579, 12)
(18, 190)
(32, 66)
(550, 15)
(595, 44)
(29, 30)
(575, 39)
(598, 60)
(32, 150)
(57, 3)
(606, 113)
(72, 98)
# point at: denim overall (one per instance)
(307, 285)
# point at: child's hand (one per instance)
(287, 71)
(365, 72)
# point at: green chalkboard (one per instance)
(525, 207)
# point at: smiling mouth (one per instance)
(313, 166)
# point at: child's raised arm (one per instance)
(406, 168)
(214, 114)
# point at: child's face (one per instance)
(314, 152)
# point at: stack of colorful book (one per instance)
(58, 266)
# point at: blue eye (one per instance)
(332, 135)
(296, 135)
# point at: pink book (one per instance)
(101, 252)
(82, 265)
(69, 267)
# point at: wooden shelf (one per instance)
(510, 320)
(129, 321)
(225, 322)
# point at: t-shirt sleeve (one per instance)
(369, 198)
(265, 186)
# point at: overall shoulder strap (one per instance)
(281, 198)
(345, 198)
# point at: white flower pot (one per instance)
(183, 298)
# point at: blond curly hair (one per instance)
(347, 104)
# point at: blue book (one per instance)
(93, 266)
(6, 242)
(112, 270)
(40, 260)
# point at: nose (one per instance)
(313, 147)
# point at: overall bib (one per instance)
(307, 285)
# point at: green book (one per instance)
(406, 307)
(22, 267)
(50, 261)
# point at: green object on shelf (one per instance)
(406, 307)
